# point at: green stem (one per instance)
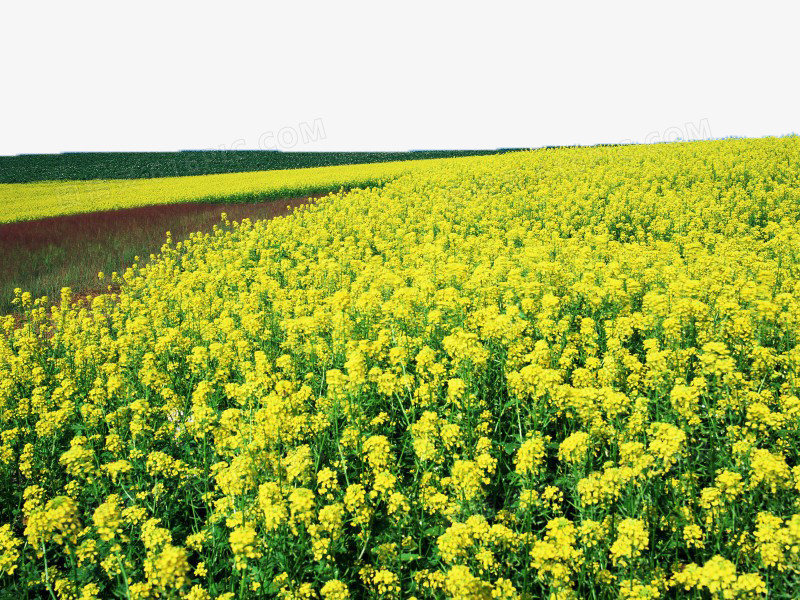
(47, 574)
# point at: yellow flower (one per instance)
(327, 482)
(78, 460)
(108, 518)
(301, 507)
(574, 448)
(719, 577)
(244, 545)
(530, 455)
(467, 478)
(10, 546)
(377, 452)
(769, 469)
(57, 522)
(168, 569)
(693, 534)
(461, 584)
(334, 590)
(632, 539)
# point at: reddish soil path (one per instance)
(35, 233)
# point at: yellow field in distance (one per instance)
(27, 201)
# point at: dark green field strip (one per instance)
(28, 168)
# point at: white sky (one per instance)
(102, 76)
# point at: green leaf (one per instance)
(406, 557)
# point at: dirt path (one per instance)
(32, 234)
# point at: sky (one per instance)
(314, 76)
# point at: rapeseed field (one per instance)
(568, 373)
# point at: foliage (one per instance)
(28, 168)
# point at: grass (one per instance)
(43, 255)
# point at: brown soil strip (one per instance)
(35, 233)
